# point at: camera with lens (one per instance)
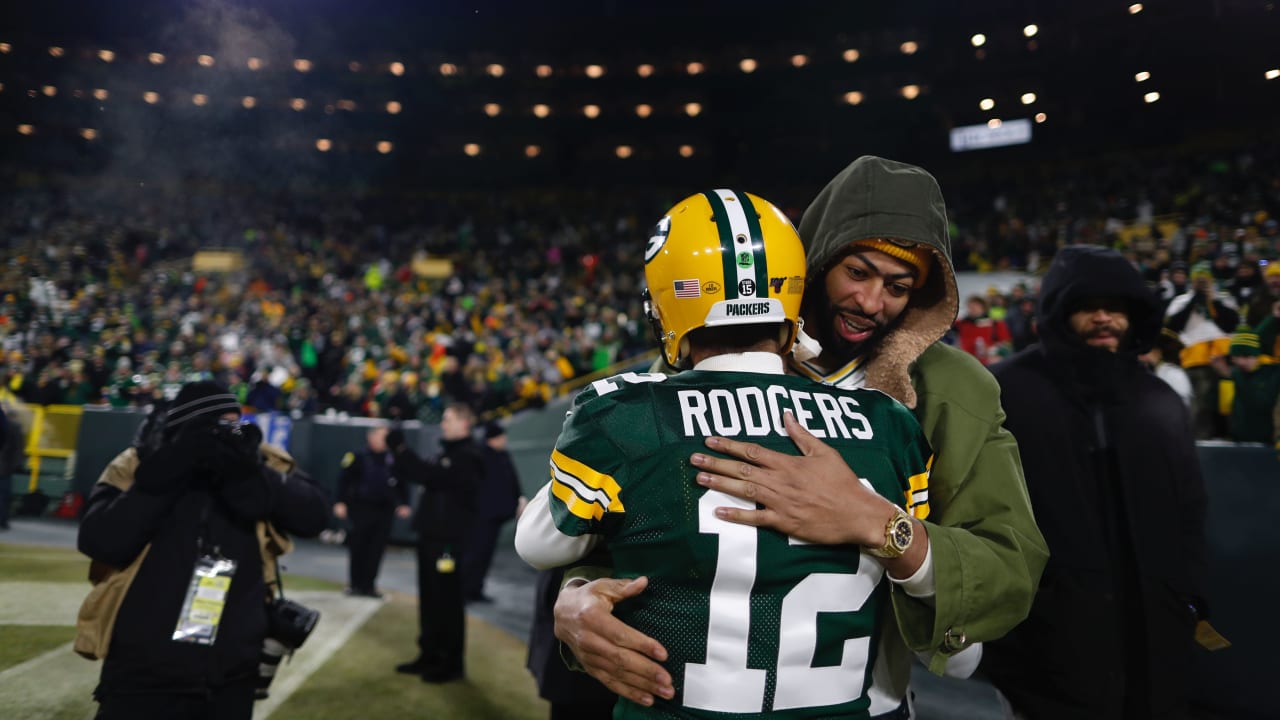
(288, 626)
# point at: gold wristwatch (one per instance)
(898, 533)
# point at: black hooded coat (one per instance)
(1115, 482)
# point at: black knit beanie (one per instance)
(199, 403)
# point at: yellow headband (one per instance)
(917, 256)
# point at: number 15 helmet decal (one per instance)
(722, 258)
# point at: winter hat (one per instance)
(1244, 343)
(200, 403)
(1273, 268)
(1201, 269)
(493, 429)
(915, 255)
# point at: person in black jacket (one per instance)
(499, 501)
(197, 495)
(446, 511)
(369, 494)
(1115, 482)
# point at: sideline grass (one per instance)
(360, 680)
(20, 643)
(356, 682)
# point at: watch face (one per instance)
(902, 531)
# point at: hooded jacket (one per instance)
(987, 550)
(1114, 478)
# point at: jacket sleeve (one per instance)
(988, 553)
(117, 524)
(299, 506)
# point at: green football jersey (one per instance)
(755, 623)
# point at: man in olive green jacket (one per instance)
(881, 293)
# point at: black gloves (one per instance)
(174, 466)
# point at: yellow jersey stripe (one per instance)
(918, 492)
(590, 488)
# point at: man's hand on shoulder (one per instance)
(813, 496)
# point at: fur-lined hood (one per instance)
(878, 198)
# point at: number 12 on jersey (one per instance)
(724, 683)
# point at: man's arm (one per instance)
(541, 543)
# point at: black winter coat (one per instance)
(451, 482)
(1115, 482)
(165, 508)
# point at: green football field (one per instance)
(345, 670)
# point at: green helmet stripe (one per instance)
(757, 246)
(727, 254)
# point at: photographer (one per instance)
(189, 631)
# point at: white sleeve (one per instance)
(540, 543)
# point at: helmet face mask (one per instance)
(722, 258)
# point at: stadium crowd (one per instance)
(100, 301)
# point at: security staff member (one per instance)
(446, 511)
(368, 494)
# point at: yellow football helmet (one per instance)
(722, 258)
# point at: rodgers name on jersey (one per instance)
(756, 624)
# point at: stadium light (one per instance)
(853, 97)
(1041, 117)
(205, 60)
(156, 58)
(88, 133)
(254, 64)
(986, 103)
(909, 47)
(302, 65)
(471, 149)
(396, 68)
(541, 111)
(1151, 97)
(1030, 31)
(748, 65)
(298, 104)
(56, 51)
(596, 71)
(1135, 8)
(448, 69)
(532, 151)
(25, 129)
(324, 144)
(978, 40)
(106, 56)
(249, 102)
(49, 90)
(199, 99)
(910, 92)
(354, 66)
(542, 71)
(492, 109)
(1028, 98)
(851, 55)
(100, 94)
(385, 146)
(686, 151)
(151, 97)
(1142, 76)
(348, 105)
(799, 60)
(644, 70)
(394, 107)
(1273, 74)
(495, 70)
(591, 111)
(994, 123)
(644, 110)
(693, 109)
(5, 48)
(695, 68)
(623, 151)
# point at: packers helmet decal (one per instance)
(721, 258)
(657, 238)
